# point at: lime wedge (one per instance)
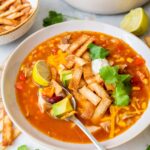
(41, 73)
(136, 21)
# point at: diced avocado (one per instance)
(62, 107)
(65, 77)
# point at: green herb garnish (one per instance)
(23, 147)
(109, 74)
(53, 18)
(121, 82)
(148, 148)
(97, 51)
(120, 95)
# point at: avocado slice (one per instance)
(62, 107)
(65, 77)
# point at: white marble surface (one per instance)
(138, 143)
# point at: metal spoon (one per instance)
(80, 124)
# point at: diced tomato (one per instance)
(135, 80)
(22, 76)
(138, 61)
(19, 86)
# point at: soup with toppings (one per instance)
(108, 79)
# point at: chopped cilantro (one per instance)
(109, 74)
(148, 148)
(53, 18)
(23, 147)
(120, 95)
(122, 84)
(97, 51)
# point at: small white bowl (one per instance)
(106, 6)
(12, 66)
(21, 29)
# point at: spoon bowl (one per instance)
(80, 124)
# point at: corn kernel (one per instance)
(144, 105)
(130, 60)
(145, 81)
(121, 124)
(120, 59)
(136, 88)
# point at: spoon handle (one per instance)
(85, 130)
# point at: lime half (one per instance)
(41, 73)
(136, 21)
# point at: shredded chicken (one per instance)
(93, 129)
(105, 126)
(43, 105)
(58, 88)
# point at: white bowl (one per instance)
(106, 6)
(22, 28)
(15, 60)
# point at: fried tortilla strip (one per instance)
(16, 133)
(85, 108)
(7, 134)
(84, 47)
(6, 4)
(101, 109)
(82, 83)
(15, 15)
(89, 95)
(1, 126)
(86, 56)
(147, 40)
(99, 90)
(9, 12)
(94, 78)
(26, 10)
(2, 147)
(87, 71)
(76, 77)
(2, 29)
(70, 61)
(80, 61)
(7, 28)
(58, 88)
(75, 45)
(8, 22)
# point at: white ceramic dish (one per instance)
(22, 28)
(106, 6)
(13, 64)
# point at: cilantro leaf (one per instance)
(125, 78)
(148, 148)
(53, 18)
(97, 51)
(120, 95)
(109, 74)
(23, 147)
(121, 81)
